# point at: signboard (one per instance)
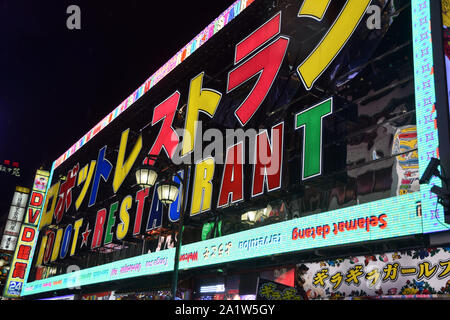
(269, 290)
(446, 35)
(10, 168)
(147, 264)
(12, 228)
(15, 218)
(303, 119)
(315, 231)
(68, 297)
(27, 238)
(413, 272)
(8, 243)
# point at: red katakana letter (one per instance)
(167, 137)
(264, 63)
(65, 194)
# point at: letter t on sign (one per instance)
(311, 120)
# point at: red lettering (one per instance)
(265, 64)
(141, 195)
(294, 234)
(49, 246)
(36, 199)
(33, 214)
(383, 223)
(269, 158)
(167, 137)
(28, 234)
(361, 223)
(232, 180)
(98, 230)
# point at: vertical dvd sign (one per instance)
(23, 254)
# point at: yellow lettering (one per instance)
(86, 184)
(201, 195)
(335, 39)
(315, 9)
(122, 169)
(122, 228)
(76, 230)
(199, 99)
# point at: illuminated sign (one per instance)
(27, 238)
(397, 216)
(213, 288)
(10, 167)
(370, 149)
(406, 273)
(15, 218)
(68, 297)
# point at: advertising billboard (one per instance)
(315, 124)
(15, 219)
(405, 273)
(27, 237)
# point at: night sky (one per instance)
(56, 83)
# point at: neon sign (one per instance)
(414, 212)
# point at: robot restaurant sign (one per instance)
(260, 55)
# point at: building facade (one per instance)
(310, 140)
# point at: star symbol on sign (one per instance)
(85, 235)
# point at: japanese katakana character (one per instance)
(336, 279)
(373, 276)
(85, 175)
(102, 171)
(123, 166)
(354, 274)
(446, 271)
(320, 276)
(167, 138)
(267, 290)
(334, 40)
(206, 253)
(65, 194)
(408, 271)
(264, 63)
(213, 251)
(200, 100)
(391, 272)
(291, 294)
(228, 248)
(426, 271)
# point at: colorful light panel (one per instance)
(409, 214)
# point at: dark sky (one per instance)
(56, 83)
